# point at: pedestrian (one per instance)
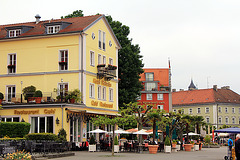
(230, 144)
(237, 147)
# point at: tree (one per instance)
(197, 122)
(130, 62)
(100, 120)
(77, 13)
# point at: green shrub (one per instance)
(115, 140)
(207, 139)
(62, 135)
(1, 96)
(28, 91)
(167, 141)
(11, 139)
(38, 93)
(14, 129)
(41, 136)
(92, 140)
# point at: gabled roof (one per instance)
(203, 96)
(77, 24)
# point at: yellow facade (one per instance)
(37, 64)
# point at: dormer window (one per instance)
(53, 29)
(14, 33)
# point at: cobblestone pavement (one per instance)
(204, 154)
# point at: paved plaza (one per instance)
(204, 154)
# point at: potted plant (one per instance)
(167, 145)
(174, 143)
(74, 96)
(116, 144)
(38, 96)
(28, 92)
(92, 144)
(192, 142)
(1, 97)
(196, 146)
(153, 116)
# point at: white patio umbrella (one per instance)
(120, 131)
(141, 132)
(192, 134)
(97, 131)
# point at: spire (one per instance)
(192, 86)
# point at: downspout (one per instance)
(62, 115)
(81, 66)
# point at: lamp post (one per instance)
(21, 90)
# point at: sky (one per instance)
(200, 37)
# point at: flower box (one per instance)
(62, 63)
(111, 67)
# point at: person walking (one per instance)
(230, 144)
(237, 147)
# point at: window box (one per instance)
(11, 66)
(111, 67)
(62, 63)
(101, 65)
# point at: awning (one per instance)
(92, 112)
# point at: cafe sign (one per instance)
(27, 112)
(101, 104)
(102, 82)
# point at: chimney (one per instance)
(215, 87)
(38, 17)
(174, 90)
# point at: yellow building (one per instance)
(63, 54)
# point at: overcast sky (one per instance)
(201, 37)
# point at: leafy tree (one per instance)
(77, 13)
(130, 62)
(100, 120)
(197, 122)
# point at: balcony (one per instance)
(106, 72)
(162, 89)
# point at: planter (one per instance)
(38, 99)
(167, 149)
(72, 100)
(153, 149)
(196, 147)
(178, 147)
(174, 145)
(116, 148)
(187, 147)
(92, 148)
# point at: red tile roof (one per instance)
(203, 96)
(78, 24)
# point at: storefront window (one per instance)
(42, 124)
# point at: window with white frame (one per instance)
(111, 61)
(207, 120)
(207, 110)
(91, 90)
(226, 120)
(63, 60)
(104, 40)
(92, 62)
(190, 110)
(226, 109)
(100, 39)
(10, 119)
(14, 33)
(198, 110)
(110, 94)
(159, 96)
(233, 110)
(11, 63)
(104, 60)
(53, 29)
(149, 76)
(62, 89)
(149, 96)
(220, 109)
(99, 92)
(160, 106)
(99, 59)
(233, 120)
(220, 120)
(11, 92)
(104, 91)
(150, 86)
(42, 124)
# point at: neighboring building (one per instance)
(157, 88)
(217, 106)
(72, 53)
